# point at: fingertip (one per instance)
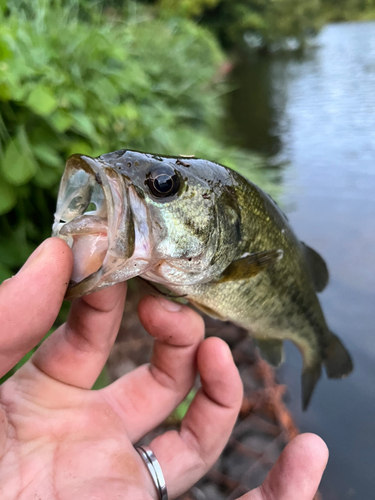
(54, 254)
(48, 269)
(299, 469)
(53, 263)
(214, 350)
(60, 250)
(219, 375)
(312, 448)
(175, 324)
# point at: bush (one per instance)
(348, 10)
(270, 21)
(83, 82)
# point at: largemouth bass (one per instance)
(204, 232)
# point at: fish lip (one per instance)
(96, 170)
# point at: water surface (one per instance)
(315, 118)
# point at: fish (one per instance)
(204, 232)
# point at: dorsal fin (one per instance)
(318, 268)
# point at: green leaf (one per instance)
(47, 155)
(80, 147)
(42, 101)
(74, 98)
(5, 91)
(61, 120)
(181, 410)
(46, 177)
(3, 6)
(7, 197)
(84, 126)
(18, 164)
(14, 251)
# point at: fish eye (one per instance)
(163, 181)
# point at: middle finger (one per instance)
(146, 396)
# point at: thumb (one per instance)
(297, 473)
(31, 300)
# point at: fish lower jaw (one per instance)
(97, 266)
(106, 276)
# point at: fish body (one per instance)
(205, 232)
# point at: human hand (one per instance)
(59, 440)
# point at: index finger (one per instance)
(77, 351)
(31, 300)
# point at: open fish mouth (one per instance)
(94, 216)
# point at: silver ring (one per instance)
(154, 469)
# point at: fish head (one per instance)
(128, 214)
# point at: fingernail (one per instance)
(34, 257)
(168, 305)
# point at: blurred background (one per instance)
(281, 90)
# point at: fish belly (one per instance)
(263, 311)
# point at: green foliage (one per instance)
(187, 8)
(179, 413)
(18, 165)
(270, 20)
(75, 80)
(347, 10)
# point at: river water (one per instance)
(314, 117)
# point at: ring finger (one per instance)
(146, 396)
(185, 456)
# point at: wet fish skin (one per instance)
(225, 244)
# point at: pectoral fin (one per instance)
(250, 265)
(272, 351)
(318, 268)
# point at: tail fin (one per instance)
(337, 362)
(310, 376)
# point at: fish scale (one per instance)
(207, 233)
